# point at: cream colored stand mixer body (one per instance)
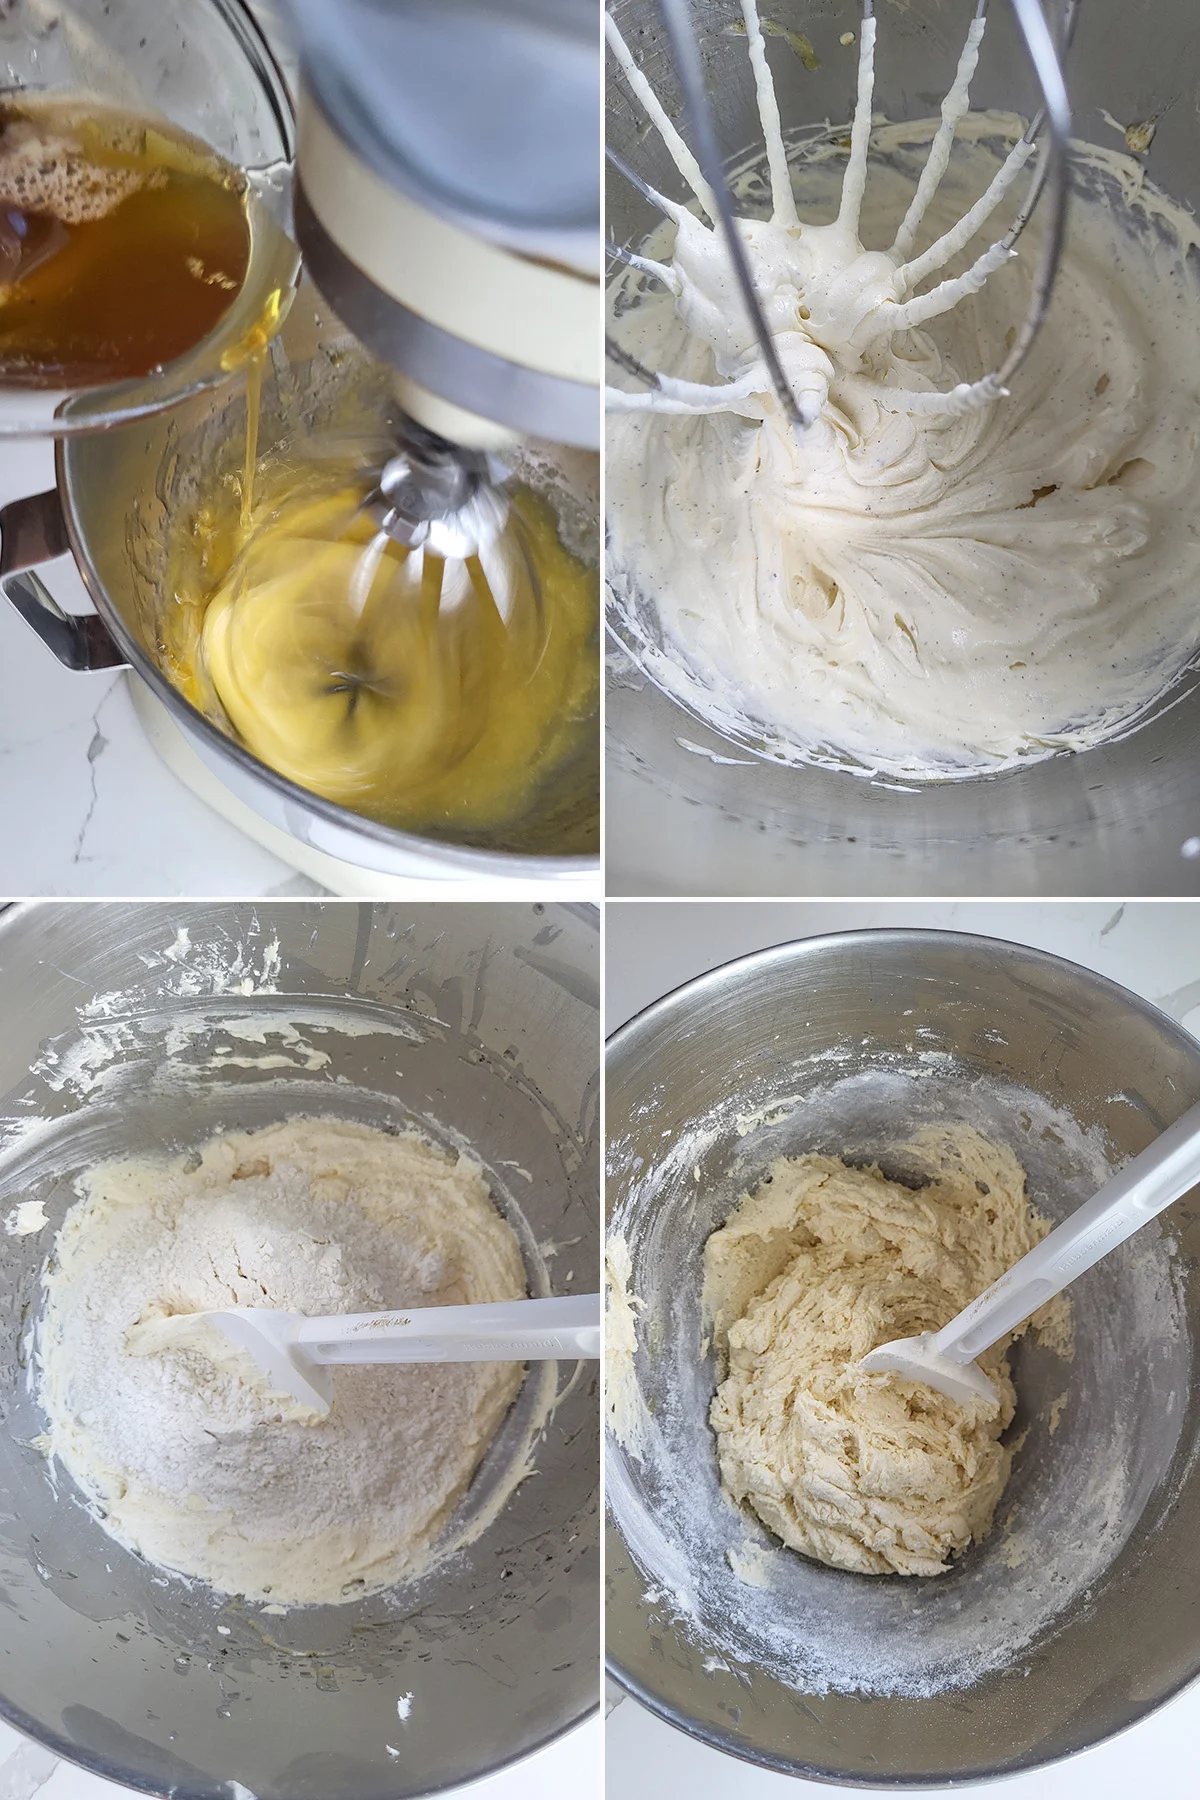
(449, 204)
(448, 208)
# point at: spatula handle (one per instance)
(1160, 1175)
(567, 1326)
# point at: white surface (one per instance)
(1151, 947)
(569, 1766)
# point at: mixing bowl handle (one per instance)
(34, 531)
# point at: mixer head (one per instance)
(795, 363)
(448, 204)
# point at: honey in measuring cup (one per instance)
(123, 243)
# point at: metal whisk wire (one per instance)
(685, 52)
(706, 175)
(438, 499)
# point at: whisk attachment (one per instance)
(390, 613)
(630, 364)
(438, 493)
(447, 505)
(715, 195)
(1049, 182)
(1047, 59)
(800, 376)
(675, 396)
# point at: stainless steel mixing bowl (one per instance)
(688, 813)
(130, 1028)
(1078, 1614)
(124, 498)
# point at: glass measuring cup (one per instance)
(206, 69)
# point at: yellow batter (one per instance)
(314, 636)
(818, 1265)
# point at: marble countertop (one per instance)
(1150, 947)
(86, 807)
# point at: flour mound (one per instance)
(196, 1468)
(819, 1264)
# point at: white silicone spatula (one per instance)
(294, 1352)
(1144, 1188)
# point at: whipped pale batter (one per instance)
(925, 585)
(199, 1470)
(819, 1264)
(388, 682)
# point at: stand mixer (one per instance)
(460, 256)
(447, 208)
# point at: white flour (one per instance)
(193, 1467)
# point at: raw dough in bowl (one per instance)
(197, 1469)
(820, 1263)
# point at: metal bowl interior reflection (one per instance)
(457, 1019)
(1072, 1619)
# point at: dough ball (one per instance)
(819, 1264)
